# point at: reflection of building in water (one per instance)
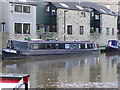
(109, 64)
(118, 72)
(95, 71)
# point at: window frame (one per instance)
(113, 31)
(83, 14)
(15, 8)
(69, 29)
(107, 30)
(15, 28)
(81, 32)
(28, 7)
(28, 27)
(22, 28)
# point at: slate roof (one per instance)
(87, 6)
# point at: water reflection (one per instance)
(95, 70)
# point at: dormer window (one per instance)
(64, 5)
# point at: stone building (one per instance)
(78, 21)
(18, 20)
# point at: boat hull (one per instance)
(46, 52)
(111, 49)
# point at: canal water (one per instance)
(68, 71)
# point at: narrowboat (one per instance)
(113, 46)
(14, 81)
(39, 47)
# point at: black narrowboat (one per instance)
(39, 47)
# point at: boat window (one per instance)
(114, 42)
(57, 46)
(79, 45)
(34, 46)
(82, 46)
(109, 43)
(89, 46)
(74, 46)
(54, 46)
(61, 46)
(67, 46)
(48, 46)
(86, 46)
(95, 45)
(42, 46)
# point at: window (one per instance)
(82, 46)
(97, 30)
(21, 8)
(3, 27)
(81, 30)
(18, 8)
(69, 29)
(67, 46)
(34, 46)
(96, 17)
(112, 31)
(89, 46)
(26, 28)
(107, 31)
(26, 9)
(83, 14)
(53, 28)
(22, 28)
(48, 8)
(18, 28)
(92, 14)
(47, 28)
(53, 12)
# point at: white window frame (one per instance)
(22, 27)
(107, 30)
(22, 11)
(3, 27)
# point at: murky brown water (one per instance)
(68, 71)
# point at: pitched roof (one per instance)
(85, 6)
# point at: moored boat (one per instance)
(113, 46)
(39, 47)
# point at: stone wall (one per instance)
(4, 36)
(11, 17)
(74, 18)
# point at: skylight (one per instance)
(79, 7)
(111, 12)
(64, 5)
(103, 10)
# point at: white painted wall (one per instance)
(15, 17)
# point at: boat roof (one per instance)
(13, 75)
(8, 80)
(41, 41)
